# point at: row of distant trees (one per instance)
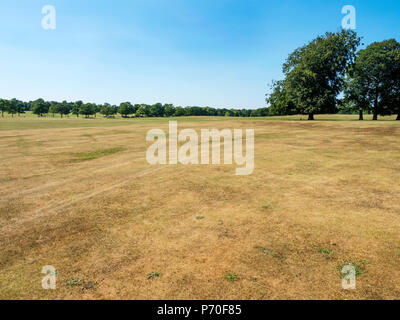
(125, 109)
(330, 75)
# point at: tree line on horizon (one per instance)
(330, 75)
(42, 108)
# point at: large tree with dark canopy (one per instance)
(3, 106)
(374, 80)
(314, 73)
(126, 108)
(108, 110)
(157, 110)
(279, 101)
(20, 107)
(169, 110)
(12, 107)
(40, 107)
(87, 109)
(76, 107)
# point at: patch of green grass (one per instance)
(267, 251)
(154, 275)
(358, 269)
(74, 282)
(200, 217)
(325, 251)
(266, 207)
(231, 277)
(96, 154)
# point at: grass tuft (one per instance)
(74, 282)
(154, 275)
(96, 154)
(325, 251)
(266, 251)
(231, 277)
(358, 269)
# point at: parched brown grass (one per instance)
(82, 198)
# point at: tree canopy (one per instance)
(40, 107)
(319, 73)
(314, 75)
(108, 110)
(126, 108)
(373, 82)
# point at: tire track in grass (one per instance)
(55, 184)
(66, 203)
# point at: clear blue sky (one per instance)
(220, 53)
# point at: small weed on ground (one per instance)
(360, 270)
(74, 282)
(96, 154)
(154, 275)
(325, 251)
(231, 277)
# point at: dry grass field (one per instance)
(79, 194)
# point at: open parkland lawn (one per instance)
(78, 194)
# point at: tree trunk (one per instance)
(361, 115)
(310, 116)
(398, 117)
(375, 108)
